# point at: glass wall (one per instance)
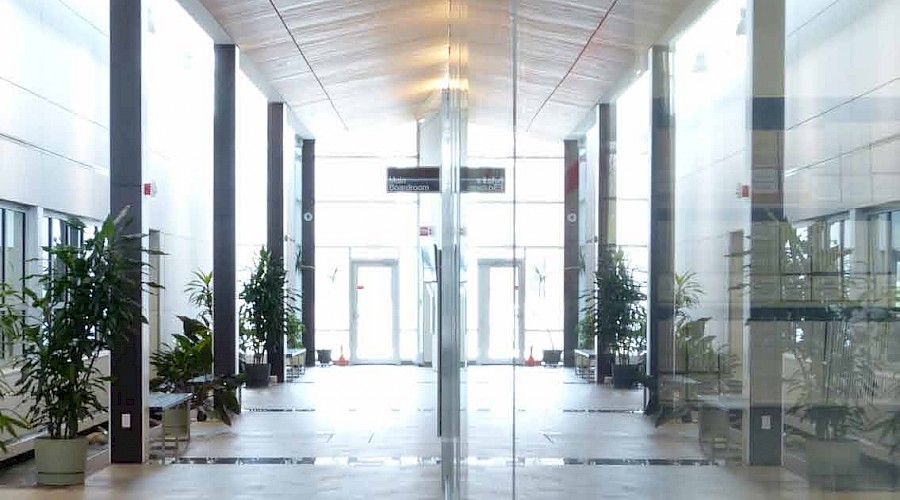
(360, 223)
(528, 219)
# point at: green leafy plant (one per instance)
(586, 331)
(86, 306)
(829, 342)
(688, 293)
(615, 305)
(200, 294)
(267, 305)
(294, 332)
(191, 356)
(10, 314)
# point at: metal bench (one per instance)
(586, 363)
(175, 425)
(295, 361)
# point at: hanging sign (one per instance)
(482, 180)
(428, 180)
(414, 180)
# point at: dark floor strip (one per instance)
(564, 410)
(429, 461)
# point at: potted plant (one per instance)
(253, 342)
(85, 306)
(829, 343)
(267, 304)
(831, 385)
(552, 356)
(614, 304)
(188, 358)
(631, 344)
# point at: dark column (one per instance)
(660, 310)
(275, 232)
(128, 417)
(224, 242)
(308, 248)
(763, 423)
(607, 189)
(571, 253)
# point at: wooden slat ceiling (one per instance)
(364, 63)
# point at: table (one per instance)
(176, 424)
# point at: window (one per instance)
(12, 255)
(815, 261)
(884, 256)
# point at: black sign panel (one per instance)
(414, 180)
(482, 180)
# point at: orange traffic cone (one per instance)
(342, 361)
(530, 361)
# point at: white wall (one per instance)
(178, 67)
(711, 161)
(54, 127)
(842, 104)
(54, 105)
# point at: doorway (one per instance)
(374, 312)
(501, 300)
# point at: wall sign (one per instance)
(428, 180)
(414, 180)
(482, 180)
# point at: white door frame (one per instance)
(394, 266)
(484, 319)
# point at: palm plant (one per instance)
(267, 305)
(200, 294)
(614, 304)
(86, 307)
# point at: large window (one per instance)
(12, 254)
(884, 256)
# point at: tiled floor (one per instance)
(369, 432)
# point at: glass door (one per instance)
(501, 300)
(374, 312)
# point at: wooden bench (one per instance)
(178, 426)
(586, 364)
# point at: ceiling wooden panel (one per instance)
(370, 62)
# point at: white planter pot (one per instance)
(60, 462)
(177, 423)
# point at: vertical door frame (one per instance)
(394, 266)
(484, 294)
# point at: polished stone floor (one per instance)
(369, 432)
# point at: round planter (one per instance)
(60, 462)
(257, 374)
(551, 357)
(324, 356)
